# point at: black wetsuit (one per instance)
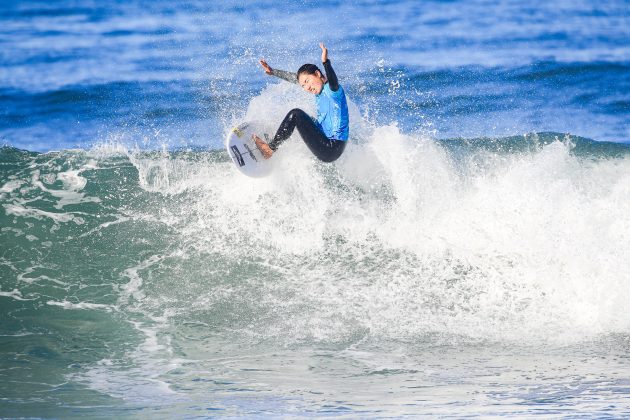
(326, 149)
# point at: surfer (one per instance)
(326, 136)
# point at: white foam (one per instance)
(71, 193)
(71, 180)
(12, 185)
(14, 294)
(22, 211)
(27, 276)
(81, 305)
(133, 288)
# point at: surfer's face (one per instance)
(312, 83)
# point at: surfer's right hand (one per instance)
(324, 52)
(265, 66)
(262, 146)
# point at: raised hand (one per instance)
(265, 66)
(324, 52)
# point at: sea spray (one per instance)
(417, 241)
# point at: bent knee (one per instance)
(297, 113)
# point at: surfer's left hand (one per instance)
(266, 66)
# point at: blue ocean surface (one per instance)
(467, 256)
(79, 73)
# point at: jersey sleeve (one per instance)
(285, 75)
(331, 76)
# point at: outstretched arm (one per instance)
(330, 73)
(284, 75)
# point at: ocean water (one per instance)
(468, 256)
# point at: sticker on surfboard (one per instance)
(243, 151)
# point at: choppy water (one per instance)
(465, 257)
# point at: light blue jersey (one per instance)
(332, 113)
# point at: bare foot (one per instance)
(262, 146)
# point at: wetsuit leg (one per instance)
(325, 149)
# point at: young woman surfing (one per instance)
(326, 136)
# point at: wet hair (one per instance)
(308, 69)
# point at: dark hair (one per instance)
(308, 69)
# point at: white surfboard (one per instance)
(243, 151)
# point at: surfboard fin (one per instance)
(250, 152)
